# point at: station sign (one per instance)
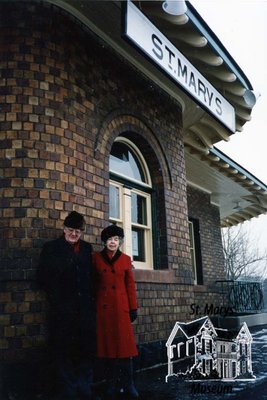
(140, 31)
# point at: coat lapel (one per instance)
(109, 260)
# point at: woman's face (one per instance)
(113, 243)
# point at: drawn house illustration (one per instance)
(207, 352)
(234, 359)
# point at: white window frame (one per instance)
(125, 221)
(193, 250)
(141, 160)
(125, 217)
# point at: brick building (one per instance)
(91, 124)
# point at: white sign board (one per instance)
(157, 47)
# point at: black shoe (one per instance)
(131, 391)
(112, 391)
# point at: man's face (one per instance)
(72, 235)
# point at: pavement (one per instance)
(152, 385)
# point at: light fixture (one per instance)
(251, 97)
(175, 7)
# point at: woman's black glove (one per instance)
(133, 315)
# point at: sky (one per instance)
(241, 26)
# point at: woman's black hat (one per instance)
(110, 231)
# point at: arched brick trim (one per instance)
(126, 123)
(131, 127)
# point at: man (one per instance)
(65, 273)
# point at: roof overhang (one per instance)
(239, 195)
(192, 36)
(229, 185)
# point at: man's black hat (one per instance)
(110, 231)
(74, 220)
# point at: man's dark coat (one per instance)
(67, 278)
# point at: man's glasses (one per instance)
(76, 231)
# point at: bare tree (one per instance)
(242, 256)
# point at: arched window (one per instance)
(130, 200)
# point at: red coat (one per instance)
(115, 297)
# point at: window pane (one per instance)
(191, 234)
(193, 263)
(114, 202)
(139, 211)
(138, 244)
(192, 249)
(123, 161)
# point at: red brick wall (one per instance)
(64, 97)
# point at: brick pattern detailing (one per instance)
(210, 235)
(135, 130)
(161, 305)
(64, 98)
(22, 319)
(130, 126)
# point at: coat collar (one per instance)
(109, 260)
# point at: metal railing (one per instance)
(242, 296)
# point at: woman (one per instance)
(116, 308)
